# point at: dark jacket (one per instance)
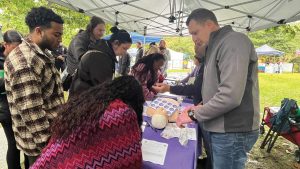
(78, 46)
(95, 67)
(193, 89)
(4, 109)
(139, 54)
(124, 64)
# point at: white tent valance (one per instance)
(167, 17)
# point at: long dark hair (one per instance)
(87, 108)
(93, 23)
(149, 61)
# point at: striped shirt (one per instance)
(34, 93)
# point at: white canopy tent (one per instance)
(268, 51)
(167, 17)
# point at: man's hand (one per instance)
(60, 57)
(184, 118)
(161, 87)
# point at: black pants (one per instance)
(13, 154)
(31, 159)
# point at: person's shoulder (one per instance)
(19, 57)
(140, 67)
(95, 53)
(236, 40)
(82, 36)
(238, 36)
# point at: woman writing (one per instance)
(147, 72)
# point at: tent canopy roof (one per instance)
(152, 17)
(136, 37)
(269, 51)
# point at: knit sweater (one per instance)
(115, 145)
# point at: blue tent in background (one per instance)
(138, 37)
(267, 50)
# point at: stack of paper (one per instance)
(154, 151)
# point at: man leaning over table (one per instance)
(230, 110)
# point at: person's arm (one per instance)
(2, 85)
(148, 94)
(233, 65)
(139, 55)
(186, 90)
(128, 64)
(186, 79)
(125, 64)
(80, 46)
(27, 97)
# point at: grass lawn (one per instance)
(275, 87)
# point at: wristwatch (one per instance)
(191, 114)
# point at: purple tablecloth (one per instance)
(178, 156)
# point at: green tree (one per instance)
(277, 37)
(181, 44)
(15, 11)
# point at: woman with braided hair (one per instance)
(98, 129)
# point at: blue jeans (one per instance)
(229, 150)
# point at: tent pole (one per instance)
(144, 43)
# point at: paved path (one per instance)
(3, 149)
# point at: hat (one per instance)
(152, 43)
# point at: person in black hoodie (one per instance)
(11, 40)
(97, 65)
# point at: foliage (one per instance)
(284, 38)
(15, 11)
(181, 44)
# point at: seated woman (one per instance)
(98, 64)
(147, 72)
(100, 129)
